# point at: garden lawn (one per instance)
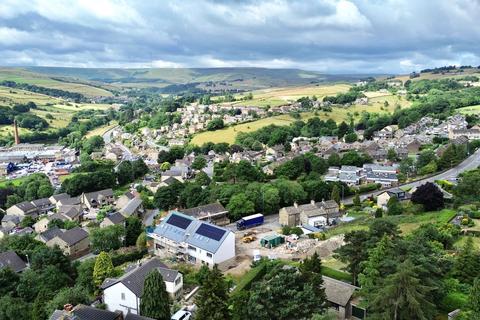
(16, 182)
(406, 223)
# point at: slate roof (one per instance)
(337, 291)
(371, 175)
(9, 259)
(170, 180)
(205, 210)
(131, 316)
(129, 195)
(74, 235)
(60, 196)
(131, 206)
(98, 194)
(25, 206)
(397, 191)
(189, 234)
(309, 207)
(83, 312)
(11, 218)
(116, 218)
(50, 234)
(41, 202)
(69, 201)
(71, 211)
(134, 278)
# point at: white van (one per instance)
(182, 315)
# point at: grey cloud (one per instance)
(326, 35)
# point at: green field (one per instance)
(274, 97)
(101, 130)
(338, 114)
(16, 182)
(24, 76)
(61, 110)
(470, 110)
(406, 223)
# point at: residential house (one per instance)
(48, 234)
(340, 296)
(114, 154)
(382, 198)
(9, 259)
(73, 242)
(197, 241)
(68, 201)
(349, 174)
(57, 197)
(385, 133)
(43, 205)
(5, 231)
(471, 134)
(83, 312)
(214, 213)
(124, 293)
(402, 153)
(123, 200)
(385, 175)
(97, 199)
(173, 173)
(134, 207)
(10, 221)
(114, 219)
(71, 212)
(414, 146)
(23, 209)
(314, 214)
(168, 182)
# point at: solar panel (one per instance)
(210, 232)
(179, 221)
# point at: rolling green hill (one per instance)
(206, 78)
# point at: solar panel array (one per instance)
(179, 221)
(210, 232)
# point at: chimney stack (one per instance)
(15, 132)
(68, 307)
(295, 204)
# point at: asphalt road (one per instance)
(470, 163)
(107, 136)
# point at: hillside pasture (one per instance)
(470, 110)
(12, 96)
(23, 76)
(338, 114)
(274, 97)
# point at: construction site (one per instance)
(268, 242)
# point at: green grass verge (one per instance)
(337, 274)
(252, 275)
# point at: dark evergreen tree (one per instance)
(155, 302)
(212, 297)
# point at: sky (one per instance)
(332, 36)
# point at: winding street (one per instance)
(470, 163)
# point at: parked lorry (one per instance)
(250, 221)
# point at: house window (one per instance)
(209, 255)
(192, 248)
(177, 281)
(123, 295)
